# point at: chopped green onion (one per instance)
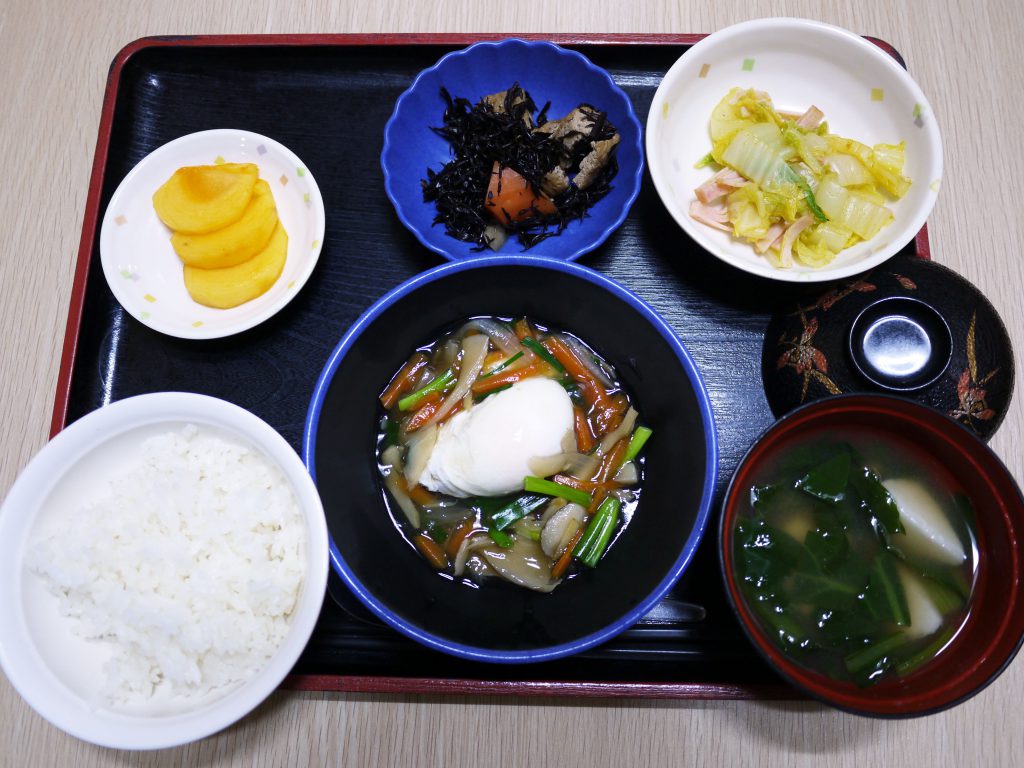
(501, 367)
(595, 539)
(518, 509)
(496, 390)
(500, 538)
(538, 349)
(549, 487)
(439, 384)
(636, 443)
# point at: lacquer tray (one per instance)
(328, 98)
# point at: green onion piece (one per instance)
(496, 390)
(501, 367)
(517, 510)
(549, 487)
(599, 532)
(500, 538)
(636, 443)
(439, 384)
(708, 159)
(538, 349)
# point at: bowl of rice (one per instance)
(163, 562)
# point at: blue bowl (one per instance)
(499, 622)
(549, 73)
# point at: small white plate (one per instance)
(142, 269)
(58, 672)
(863, 92)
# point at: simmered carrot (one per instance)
(422, 416)
(482, 386)
(606, 411)
(463, 530)
(431, 550)
(523, 329)
(563, 562)
(421, 495)
(403, 380)
(600, 495)
(510, 197)
(612, 461)
(585, 440)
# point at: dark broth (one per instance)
(829, 566)
(512, 523)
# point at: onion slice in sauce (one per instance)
(586, 357)
(392, 460)
(623, 430)
(502, 336)
(474, 350)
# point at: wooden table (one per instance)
(54, 58)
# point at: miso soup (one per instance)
(857, 555)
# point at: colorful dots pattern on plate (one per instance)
(865, 95)
(145, 274)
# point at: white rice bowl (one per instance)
(143, 625)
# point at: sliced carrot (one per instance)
(463, 530)
(403, 380)
(421, 495)
(423, 415)
(431, 550)
(612, 462)
(585, 441)
(563, 562)
(523, 329)
(510, 197)
(599, 496)
(605, 410)
(482, 386)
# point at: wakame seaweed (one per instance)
(480, 134)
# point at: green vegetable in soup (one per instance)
(818, 559)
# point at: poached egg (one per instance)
(487, 450)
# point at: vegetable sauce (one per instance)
(510, 450)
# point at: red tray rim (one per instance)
(90, 226)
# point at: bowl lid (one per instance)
(910, 327)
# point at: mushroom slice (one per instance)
(560, 528)
(524, 564)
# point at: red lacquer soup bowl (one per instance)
(987, 639)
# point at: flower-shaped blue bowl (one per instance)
(499, 622)
(548, 73)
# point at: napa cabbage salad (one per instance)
(793, 190)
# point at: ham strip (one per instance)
(713, 215)
(718, 185)
(770, 238)
(810, 119)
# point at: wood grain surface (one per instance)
(54, 57)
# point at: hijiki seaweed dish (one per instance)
(516, 172)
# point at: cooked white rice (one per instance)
(189, 567)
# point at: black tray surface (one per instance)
(329, 104)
